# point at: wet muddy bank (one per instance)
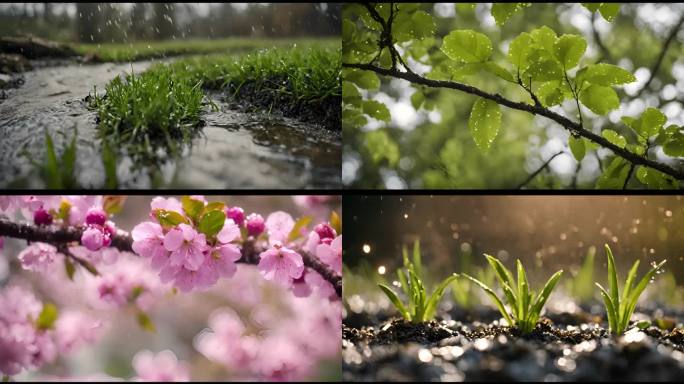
(326, 112)
(566, 348)
(233, 150)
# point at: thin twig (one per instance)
(568, 124)
(661, 56)
(61, 237)
(535, 173)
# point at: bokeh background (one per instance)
(546, 233)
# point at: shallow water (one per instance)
(234, 150)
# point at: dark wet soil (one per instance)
(562, 347)
(326, 112)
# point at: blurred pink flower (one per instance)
(148, 241)
(229, 232)
(331, 254)
(170, 204)
(37, 256)
(278, 226)
(75, 328)
(164, 366)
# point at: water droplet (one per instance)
(366, 248)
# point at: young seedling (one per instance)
(524, 311)
(620, 308)
(420, 307)
(463, 290)
(580, 285)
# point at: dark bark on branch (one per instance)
(568, 124)
(538, 171)
(661, 56)
(59, 237)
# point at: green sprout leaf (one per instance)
(577, 147)
(467, 46)
(484, 122)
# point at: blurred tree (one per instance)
(164, 20)
(139, 27)
(88, 19)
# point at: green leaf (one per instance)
(47, 317)
(51, 167)
(395, 300)
(146, 323)
(494, 297)
(192, 207)
(608, 74)
(615, 174)
(467, 46)
(610, 309)
(612, 278)
(542, 67)
(363, 79)
(381, 146)
(433, 301)
(577, 147)
(552, 92)
(655, 179)
(545, 38)
(651, 121)
(674, 147)
(592, 7)
(295, 233)
(214, 206)
(376, 110)
(523, 291)
(519, 50)
(544, 294)
(349, 91)
(609, 10)
(417, 260)
(168, 219)
(503, 11)
(599, 99)
(417, 25)
(614, 138)
(336, 222)
(69, 268)
(212, 222)
(498, 70)
(484, 122)
(630, 279)
(417, 99)
(568, 49)
(113, 204)
(643, 283)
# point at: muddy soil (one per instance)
(567, 348)
(235, 149)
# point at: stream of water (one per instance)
(234, 150)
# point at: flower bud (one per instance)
(237, 214)
(93, 238)
(255, 224)
(96, 216)
(325, 231)
(42, 217)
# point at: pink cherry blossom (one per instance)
(96, 215)
(237, 214)
(229, 232)
(42, 217)
(148, 241)
(325, 231)
(278, 226)
(80, 205)
(75, 328)
(186, 246)
(222, 259)
(280, 264)
(93, 238)
(170, 204)
(164, 366)
(310, 282)
(37, 256)
(331, 254)
(255, 224)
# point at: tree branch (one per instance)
(661, 56)
(60, 237)
(568, 124)
(535, 173)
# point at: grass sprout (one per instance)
(580, 286)
(525, 306)
(421, 307)
(619, 308)
(464, 292)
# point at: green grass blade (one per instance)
(434, 299)
(404, 283)
(502, 273)
(404, 254)
(612, 279)
(69, 164)
(627, 289)
(523, 291)
(419, 296)
(417, 261)
(634, 295)
(545, 293)
(494, 298)
(582, 284)
(613, 322)
(395, 300)
(51, 168)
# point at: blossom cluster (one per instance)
(192, 243)
(31, 334)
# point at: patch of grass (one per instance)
(421, 307)
(118, 52)
(525, 311)
(159, 108)
(620, 308)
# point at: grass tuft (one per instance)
(159, 108)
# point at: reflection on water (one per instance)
(235, 150)
(547, 232)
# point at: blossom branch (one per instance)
(566, 123)
(60, 236)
